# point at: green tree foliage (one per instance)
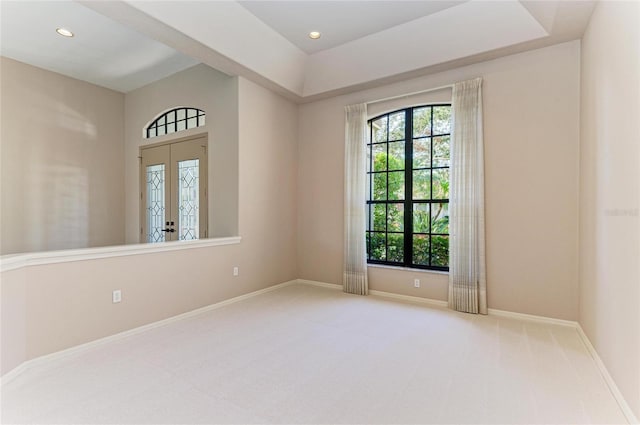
(388, 217)
(421, 249)
(440, 251)
(428, 184)
(421, 122)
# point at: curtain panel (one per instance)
(467, 268)
(355, 248)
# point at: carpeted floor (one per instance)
(303, 354)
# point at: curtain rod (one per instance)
(448, 86)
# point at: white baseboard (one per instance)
(624, 406)
(615, 391)
(440, 303)
(317, 283)
(532, 318)
(13, 373)
(622, 403)
(374, 292)
(410, 298)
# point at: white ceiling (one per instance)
(338, 21)
(363, 43)
(102, 52)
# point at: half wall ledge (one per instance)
(17, 261)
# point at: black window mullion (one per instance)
(371, 162)
(386, 205)
(387, 164)
(408, 187)
(408, 202)
(370, 197)
(155, 125)
(430, 185)
(386, 230)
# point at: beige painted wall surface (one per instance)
(217, 94)
(62, 144)
(13, 315)
(610, 192)
(268, 172)
(161, 285)
(531, 118)
(154, 287)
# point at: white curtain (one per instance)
(467, 269)
(355, 249)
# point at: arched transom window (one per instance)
(175, 120)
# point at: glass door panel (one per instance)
(156, 206)
(154, 194)
(189, 164)
(173, 197)
(188, 199)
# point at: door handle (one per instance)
(168, 230)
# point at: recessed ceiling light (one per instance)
(314, 35)
(64, 32)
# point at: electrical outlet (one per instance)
(117, 296)
(416, 283)
(236, 271)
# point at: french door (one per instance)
(173, 196)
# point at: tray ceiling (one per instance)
(126, 44)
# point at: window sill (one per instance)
(16, 261)
(407, 269)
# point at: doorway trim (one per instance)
(141, 182)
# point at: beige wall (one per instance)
(610, 192)
(215, 93)
(62, 173)
(13, 316)
(531, 118)
(62, 305)
(268, 171)
(70, 155)
(289, 195)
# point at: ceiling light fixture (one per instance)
(64, 32)
(314, 35)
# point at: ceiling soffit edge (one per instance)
(141, 21)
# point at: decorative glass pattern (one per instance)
(155, 203)
(175, 120)
(188, 199)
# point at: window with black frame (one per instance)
(175, 120)
(408, 188)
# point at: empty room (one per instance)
(317, 212)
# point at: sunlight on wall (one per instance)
(62, 145)
(58, 189)
(68, 220)
(74, 121)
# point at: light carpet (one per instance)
(303, 354)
